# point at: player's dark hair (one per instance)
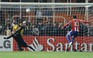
(74, 17)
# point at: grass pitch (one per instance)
(46, 54)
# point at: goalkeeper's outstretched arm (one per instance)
(13, 33)
(18, 31)
(9, 36)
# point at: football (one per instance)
(27, 10)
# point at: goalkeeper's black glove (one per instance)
(5, 38)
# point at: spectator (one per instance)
(55, 29)
(48, 28)
(42, 0)
(48, 12)
(38, 16)
(35, 30)
(61, 32)
(8, 28)
(60, 1)
(41, 28)
(1, 27)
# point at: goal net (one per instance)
(46, 19)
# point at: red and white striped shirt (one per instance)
(75, 23)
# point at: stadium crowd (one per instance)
(42, 28)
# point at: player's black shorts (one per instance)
(20, 41)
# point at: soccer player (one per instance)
(18, 37)
(75, 24)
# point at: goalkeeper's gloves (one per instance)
(5, 38)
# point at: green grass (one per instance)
(46, 54)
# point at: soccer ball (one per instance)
(27, 10)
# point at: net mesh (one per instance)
(56, 16)
(45, 20)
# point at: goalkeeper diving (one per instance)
(18, 37)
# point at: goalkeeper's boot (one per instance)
(21, 49)
(31, 48)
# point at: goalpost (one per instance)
(47, 13)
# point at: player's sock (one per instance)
(70, 44)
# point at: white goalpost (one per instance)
(52, 4)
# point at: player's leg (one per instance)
(73, 38)
(24, 44)
(71, 43)
(68, 36)
(31, 48)
(75, 34)
(9, 36)
(20, 48)
(71, 33)
(20, 42)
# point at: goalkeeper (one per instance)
(18, 37)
